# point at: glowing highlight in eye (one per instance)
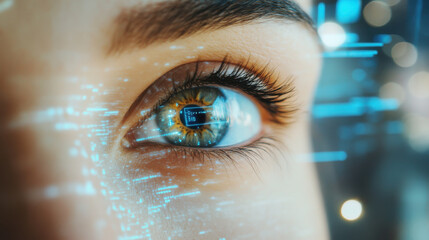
(244, 119)
(198, 115)
(351, 210)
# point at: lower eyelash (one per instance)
(266, 147)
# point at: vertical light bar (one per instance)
(321, 9)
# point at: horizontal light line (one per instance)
(200, 124)
(324, 156)
(362, 44)
(351, 54)
(146, 178)
(157, 136)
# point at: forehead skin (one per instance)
(47, 45)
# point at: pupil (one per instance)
(193, 116)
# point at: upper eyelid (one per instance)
(278, 90)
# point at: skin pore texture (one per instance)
(65, 173)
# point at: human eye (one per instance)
(205, 116)
(211, 111)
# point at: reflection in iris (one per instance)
(195, 117)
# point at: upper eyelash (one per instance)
(256, 82)
(252, 80)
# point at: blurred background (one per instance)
(371, 118)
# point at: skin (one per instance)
(51, 186)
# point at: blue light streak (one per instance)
(362, 45)
(356, 107)
(181, 195)
(111, 113)
(132, 237)
(146, 178)
(351, 54)
(321, 8)
(384, 38)
(418, 17)
(329, 156)
(97, 109)
(157, 136)
(168, 187)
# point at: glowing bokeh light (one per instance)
(419, 85)
(332, 34)
(390, 2)
(404, 54)
(417, 131)
(351, 210)
(377, 14)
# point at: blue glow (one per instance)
(157, 136)
(321, 8)
(418, 19)
(384, 38)
(96, 109)
(329, 156)
(168, 187)
(182, 195)
(190, 116)
(394, 127)
(348, 11)
(111, 113)
(356, 107)
(362, 45)
(146, 178)
(359, 74)
(132, 237)
(164, 192)
(352, 37)
(66, 126)
(351, 54)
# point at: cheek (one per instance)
(297, 137)
(282, 202)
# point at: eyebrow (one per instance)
(143, 25)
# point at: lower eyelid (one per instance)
(169, 160)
